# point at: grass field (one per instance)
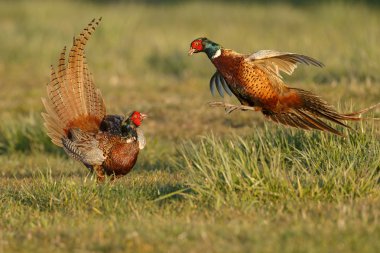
(206, 182)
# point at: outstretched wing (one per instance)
(218, 81)
(73, 101)
(274, 62)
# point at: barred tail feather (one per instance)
(363, 111)
(309, 110)
(72, 100)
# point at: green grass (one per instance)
(206, 181)
(236, 194)
(272, 166)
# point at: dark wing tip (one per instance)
(212, 85)
(311, 61)
(218, 81)
(219, 86)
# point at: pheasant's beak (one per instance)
(191, 51)
(143, 116)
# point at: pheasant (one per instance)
(76, 119)
(257, 83)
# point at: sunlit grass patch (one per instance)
(271, 165)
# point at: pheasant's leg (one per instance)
(114, 177)
(89, 167)
(100, 176)
(230, 107)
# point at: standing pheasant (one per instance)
(256, 82)
(76, 119)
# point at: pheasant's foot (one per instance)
(229, 108)
(100, 175)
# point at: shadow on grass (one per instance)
(45, 193)
(30, 174)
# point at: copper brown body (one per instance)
(121, 156)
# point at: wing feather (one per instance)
(218, 81)
(83, 147)
(225, 85)
(274, 61)
(212, 84)
(219, 86)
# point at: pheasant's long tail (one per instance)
(361, 112)
(72, 99)
(308, 111)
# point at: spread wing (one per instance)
(217, 81)
(274, 62)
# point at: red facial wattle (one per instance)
(136, 118)
(136, 121)
(197, 45)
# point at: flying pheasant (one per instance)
(257, 83)
(76, 119)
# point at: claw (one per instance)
(229, 108)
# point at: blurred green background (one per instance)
(139, 61)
